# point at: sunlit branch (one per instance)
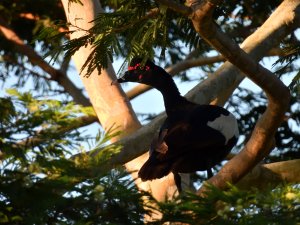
(35, 59)
(261, 141)
(40, 135)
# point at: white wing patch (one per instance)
(227, 125)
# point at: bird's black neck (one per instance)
(173, 101)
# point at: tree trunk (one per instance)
(109, 101)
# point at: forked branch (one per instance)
(261, 141)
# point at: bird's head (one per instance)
(147, 73)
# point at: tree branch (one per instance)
(40, 136)
(262, 138)
(275, 28)
(182, 9)
(35, 59)
(269, 175)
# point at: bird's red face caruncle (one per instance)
(138, 66)
(136, 73)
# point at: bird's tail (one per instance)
(153, 170)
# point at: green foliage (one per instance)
(234, 206)
(287, 63)
(133, 28)
(34, 122)
(42, 184)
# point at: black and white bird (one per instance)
(192, 138)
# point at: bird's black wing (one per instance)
(196, 141)
(190, 133)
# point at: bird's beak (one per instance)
(114, 82)
(119, 80)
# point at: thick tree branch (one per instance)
(35, 59)
(261, 140)
(271, 175)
